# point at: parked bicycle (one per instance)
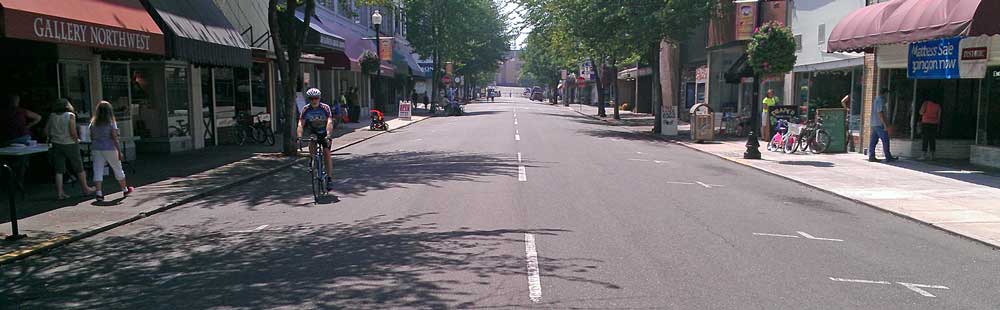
(253, 129)
(242, 128)
(813, 137)
(262, 132)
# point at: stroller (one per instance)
(378, 121)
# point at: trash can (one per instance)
(702, 123)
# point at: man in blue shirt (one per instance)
(877, 124)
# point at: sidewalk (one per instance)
(634, 121)
(955, 197)
(162, 182)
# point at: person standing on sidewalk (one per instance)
(879, 132)
(106, 149)
(765, 123)
(930, 118)
(61, 130)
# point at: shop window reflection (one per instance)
(74, 84)
(178, 120)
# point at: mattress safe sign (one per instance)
(935, 59)
(950, 58)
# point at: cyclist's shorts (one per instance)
(320, 137)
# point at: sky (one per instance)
(512, 10)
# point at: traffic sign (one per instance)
(581, 81)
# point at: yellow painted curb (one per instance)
(32, 249)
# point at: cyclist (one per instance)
(317, 119)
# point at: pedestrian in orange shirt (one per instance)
(930, 119)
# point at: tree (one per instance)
(289, 34)
(614, 31)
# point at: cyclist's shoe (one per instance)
(128, 191)
(329, 184)
(99, 196)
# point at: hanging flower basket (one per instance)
(369, 62)
(772, 49)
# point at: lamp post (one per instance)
(377, 22)
(753, 140)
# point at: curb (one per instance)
(61, 240)
(995, 246)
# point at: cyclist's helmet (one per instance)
(313, 93)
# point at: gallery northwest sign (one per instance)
(31, 26)
(948, 58)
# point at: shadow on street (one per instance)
(358, 175)
(372, 263)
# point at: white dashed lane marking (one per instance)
(534, 278)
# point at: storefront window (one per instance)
(147, 101)
(899, 103)
(990, 125)
(74, 84)
(829, 88)
(802, 88)
(242, 90)
(260, 92)
(225, 97)
(959, 101)
(178, 119)
(857, 101)
(115, 88)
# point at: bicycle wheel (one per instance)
(804, 142)
(791, 145)
(268, 136)
(257, 134)
(821, 142)
(314, 175)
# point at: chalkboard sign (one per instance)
(835, 124)
(785, 112)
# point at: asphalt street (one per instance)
(517, 204)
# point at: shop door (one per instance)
(689, 95)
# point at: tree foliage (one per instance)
(608, 32)
(471, 34)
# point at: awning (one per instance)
(831, 65)
(355, 42)
(250, 19)
(740, 69)
(405, 51)
(198, 32)
(902, 21)
(319, 38)
(107, 24)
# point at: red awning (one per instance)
(108, 24)
(903, 21)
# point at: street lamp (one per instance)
(377, 22)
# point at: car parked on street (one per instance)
(537, 94)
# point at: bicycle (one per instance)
(317, 170)
(243, 129)
(813, 137)
(262, 132)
